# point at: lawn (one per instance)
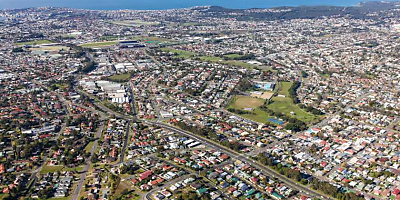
(35, 42)
(99, 44)
(46, 169)
(121, 77)
(180, 53)
(89, 147)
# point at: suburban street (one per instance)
(79, 186)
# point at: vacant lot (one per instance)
(46, 169)
(120, 77)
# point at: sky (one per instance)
(166, 4)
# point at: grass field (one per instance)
(211, 58)
(135, 23)
(241, 102)
(151, 39)
(51, 48)
(181, 53)
(285, 86)
(280, 104)
(188, 54)
(190, 24)
(108, 38)
(285, 105)
(99, 44)
(260, 116)
(120, 77)
(239, 64)
(35, 42)
(227, 62)
(232, 56)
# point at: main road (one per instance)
(244, 158)
(292, 184)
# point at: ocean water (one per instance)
(166, 4)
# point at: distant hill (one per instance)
(308, 12)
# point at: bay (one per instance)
(166, 4)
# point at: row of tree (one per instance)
(305, 179)
(311, 109)
(293, 125)
(240, 112)
(212, 135)
(293, 92)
